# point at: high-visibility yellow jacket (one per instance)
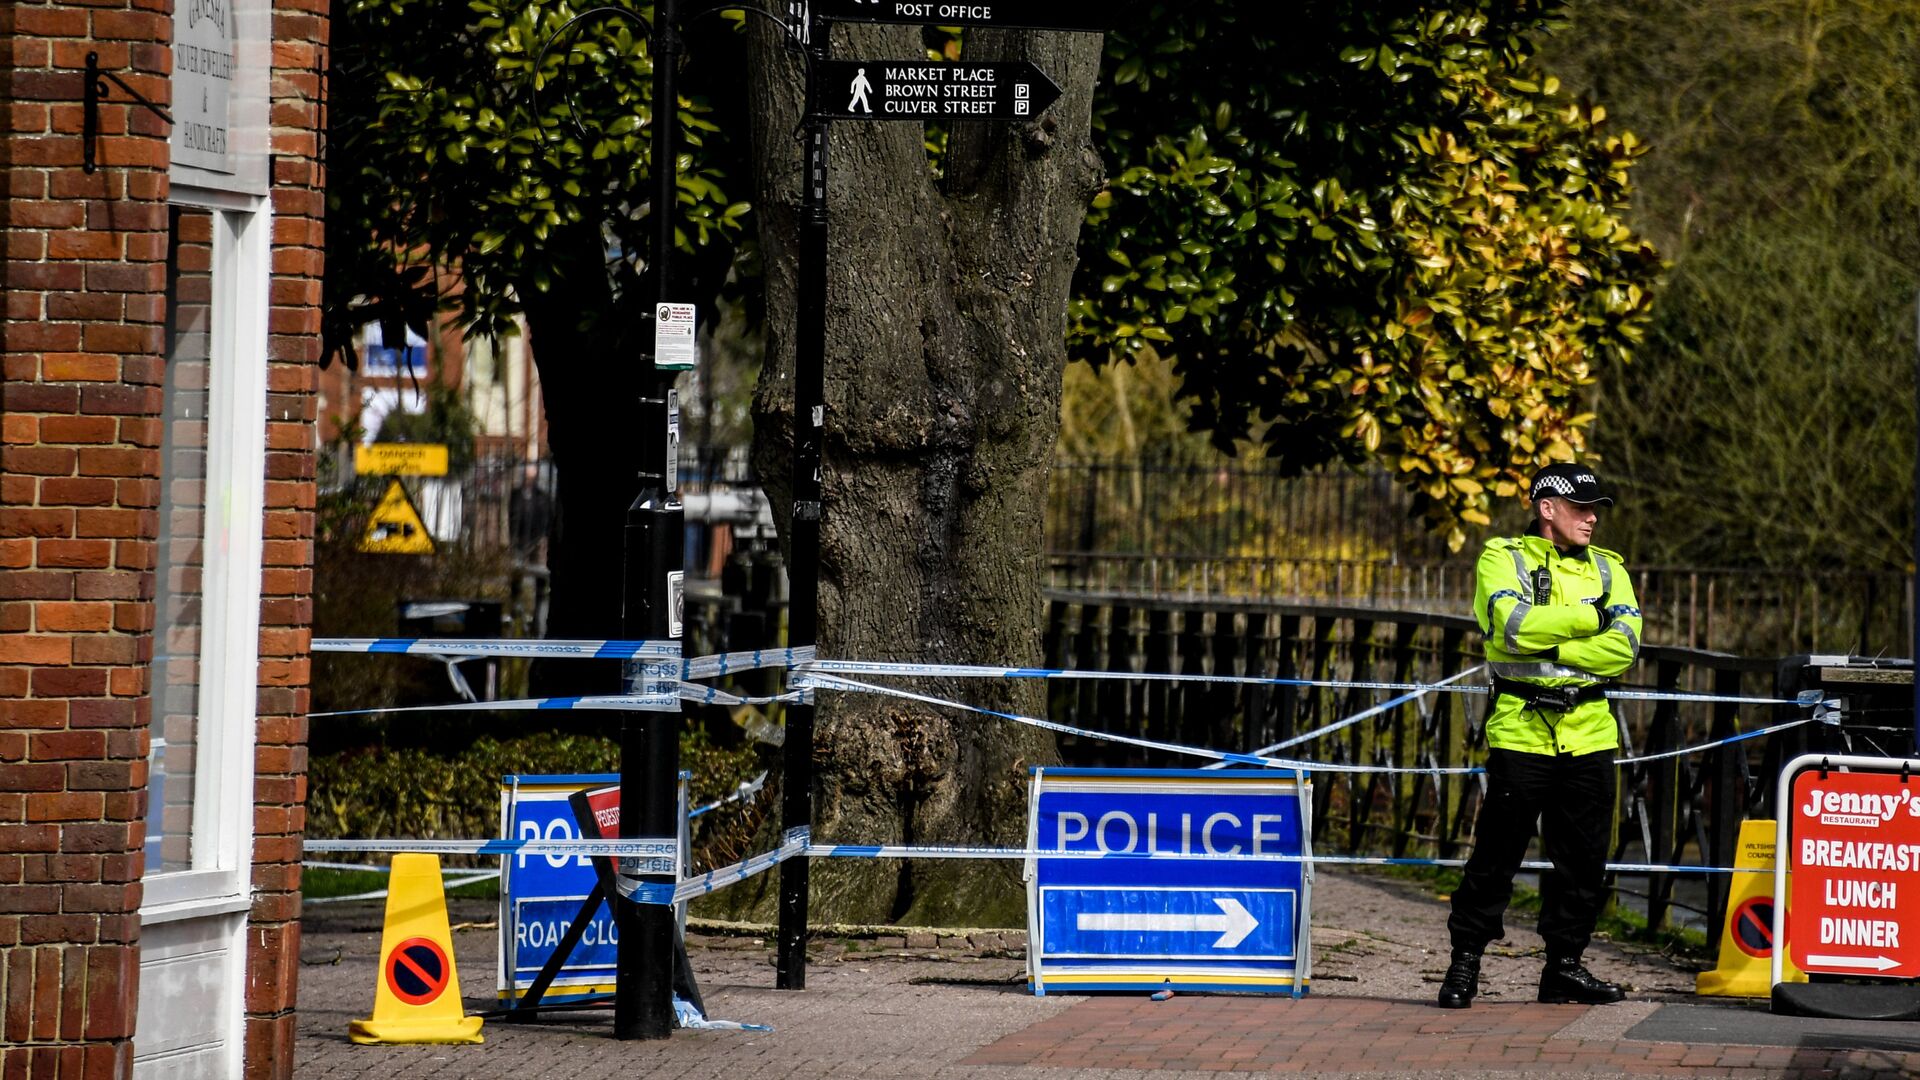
(1557, 643)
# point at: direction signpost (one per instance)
(1089, 15)
(870, 90)
(1207, 914)
(927, 90)
(1849, 842)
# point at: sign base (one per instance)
(1840, 1001)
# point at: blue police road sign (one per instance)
(1188, 878)
(541, 894)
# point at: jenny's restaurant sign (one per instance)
(1854, 866)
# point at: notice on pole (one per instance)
(1854, 863)
(673, 337)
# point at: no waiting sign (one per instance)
(1854, 852)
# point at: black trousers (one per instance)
(1572, 796)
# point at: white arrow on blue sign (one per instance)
(1204, 923)
(1233, 924)
(1206, 886)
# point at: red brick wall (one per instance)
(286, 604)
(79, 372)
(82, 277)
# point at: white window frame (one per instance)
(220, 878)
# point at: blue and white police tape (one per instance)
(718, 664)
(747, 789)
(610, 702)
(801, 658)
(913, 851)
(1728, 741)
(647, 892)
(529, 648)
(817, 681)
(707, 695)
(828, 682)
(644, 847)
(699, 667)
(700, 695)
(976, 671)
(1363, 714)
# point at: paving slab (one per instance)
(904, 1006)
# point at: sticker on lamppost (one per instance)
(673, 337)
(922, 90)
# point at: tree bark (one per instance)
(590, 381)
(946, 345)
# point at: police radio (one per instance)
(1543, 586)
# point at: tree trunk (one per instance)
(590, 382)
(946, 344)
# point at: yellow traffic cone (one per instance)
(416, 998)
(1746, 942)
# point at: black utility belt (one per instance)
(1557, 698)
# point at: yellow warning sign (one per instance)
(395, 527)
(416, 996)
(1746, 943)
(400, 459)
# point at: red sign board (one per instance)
(1854, 857)
(598, 812)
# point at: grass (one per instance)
(318, 883)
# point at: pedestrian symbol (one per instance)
(417, 971)
(394, 527)
(860, 88)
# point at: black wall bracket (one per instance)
(96, 92)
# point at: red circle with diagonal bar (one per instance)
(418, 971)
(1753, 927)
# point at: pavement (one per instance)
(955, 1004)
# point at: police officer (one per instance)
(1560, 620)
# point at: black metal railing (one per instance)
(1676, 811)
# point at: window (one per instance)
(207, 562)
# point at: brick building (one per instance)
(157, 374)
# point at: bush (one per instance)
(417, 792)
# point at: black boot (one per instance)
(1462, 981)
(1563, 981)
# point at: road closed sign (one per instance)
(1853, 856)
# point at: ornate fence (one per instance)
(1241, 531)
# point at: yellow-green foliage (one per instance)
(1768, 418)
(1364, 230)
